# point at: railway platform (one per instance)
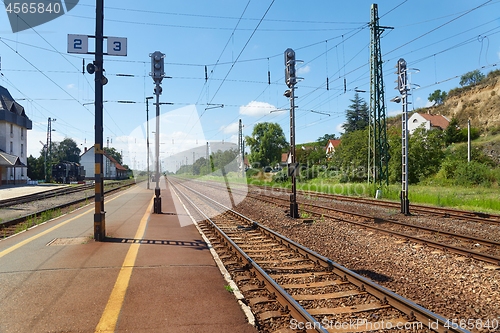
(154, 273)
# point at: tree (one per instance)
(395, 162)
(35, 167)
(357, 115)
(311, 154)
(266, 144)
(114, 153)
(425, 154)
(351, 155)
(66, 150)
(438, 97)
(452, 133)
(471, 78)
(323, 140)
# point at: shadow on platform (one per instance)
(198, 244)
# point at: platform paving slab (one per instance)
(175, 285)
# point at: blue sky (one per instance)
(239, 42)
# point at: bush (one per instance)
(473, 173)
(281, 176)
(474, 134)
(252, 172)
(310, 173)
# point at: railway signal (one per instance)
(157, 73)
(291, 80)
(290, 77)
(157, 66)
(403, 90)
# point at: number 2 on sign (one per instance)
(77, 44)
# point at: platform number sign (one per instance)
(78, 44)
(117, 46)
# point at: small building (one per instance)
(14, 126)
(286, 158)
(428, 121)
(111, 168)
(330, 148)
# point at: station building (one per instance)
(14, 126)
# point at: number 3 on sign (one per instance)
(117, 46)
(78, 44)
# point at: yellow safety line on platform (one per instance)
(29, 240)
(110, 315)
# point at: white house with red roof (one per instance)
(428, 121)
(330, 147)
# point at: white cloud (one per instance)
(231, 128)
(339, 128)
(71, 86)
(304, 70)
(256, 109)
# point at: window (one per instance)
(22, 150)
(11, 148)
(22, 133)
(11, 130)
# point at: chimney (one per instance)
(85, 149)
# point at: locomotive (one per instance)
(66, 172)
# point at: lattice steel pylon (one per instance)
(378, 130)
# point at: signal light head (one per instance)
(157, 66)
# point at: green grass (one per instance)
(36, 220)
(480, 199)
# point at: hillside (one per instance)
(479, 103)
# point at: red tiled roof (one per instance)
(436, 120)
(335, 143)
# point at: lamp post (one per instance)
(147, 133)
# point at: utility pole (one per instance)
(48, 150)
(241, 149)
(157, 73)
(147, 134)
(468, 142)
(118, 47)
(99, 214)
(377, 104)
(293, 169)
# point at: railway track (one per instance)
(414, 208)
(290, 287)
(43, 195)
(466, 245)
(10, 227)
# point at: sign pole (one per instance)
(99, 215)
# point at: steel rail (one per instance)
(296, 310)
(42, 195)
(447, 212)
(468, 253)
(22, 219)
(411, 309)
